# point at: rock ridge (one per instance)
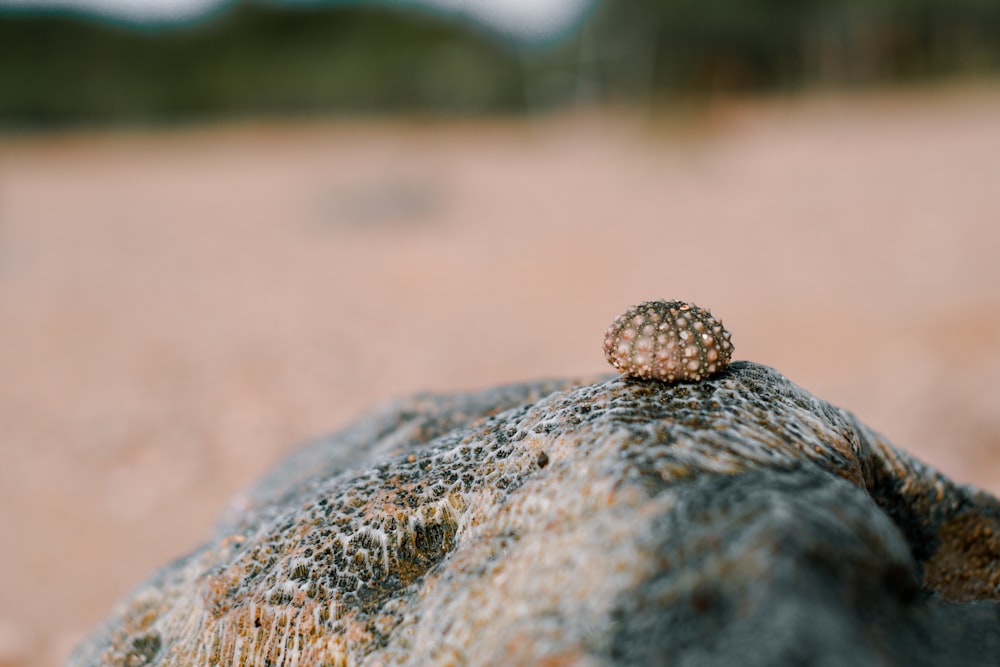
(734, 520)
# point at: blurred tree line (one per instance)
(257, 58)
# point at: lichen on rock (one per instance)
(735, 520)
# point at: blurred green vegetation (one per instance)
(255, 58)
(249, 59)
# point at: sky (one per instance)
(527, 19)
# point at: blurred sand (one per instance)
(178, 309)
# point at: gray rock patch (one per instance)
(735, 520)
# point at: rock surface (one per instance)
(736, 520)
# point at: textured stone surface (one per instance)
(736, 520)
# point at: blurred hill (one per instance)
(256, 58)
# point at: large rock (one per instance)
(733, 521)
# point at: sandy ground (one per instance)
(179, 309)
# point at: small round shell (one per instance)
(668, 341)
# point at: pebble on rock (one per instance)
(668, 341)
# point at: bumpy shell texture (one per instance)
(669, 341)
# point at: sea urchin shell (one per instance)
(669, 341)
